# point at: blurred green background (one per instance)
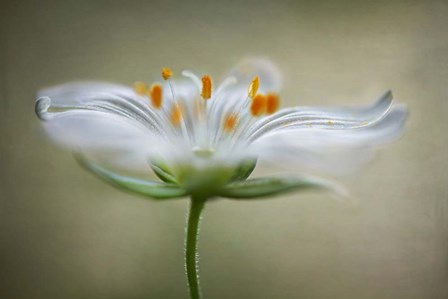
(65, 234)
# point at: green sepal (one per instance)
(244, 170)
(263, 187)
(163, 172)
(156, 190)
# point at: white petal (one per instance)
(103, 136)
(98, 96)
(112, 124)
(330, 150)
(70, 94)
(323, 117)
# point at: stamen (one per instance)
(222, 87)
(176, 115)
(272, 103)
(156, 95)
(253, 87)
(166, 73)
(206, 87)
(230, 122)
(176, 112)
(140, 88)
(193, 77)
(258, 105)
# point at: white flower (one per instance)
(195, 136)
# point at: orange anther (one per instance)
(273, 103)
(176, 115)
(166, 73)
(140, 88)
(230, 122)
(253, 87)
(156, 94)
(258, 105)
(206, 87)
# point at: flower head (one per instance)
(203, 139)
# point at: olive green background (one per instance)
(65, 234)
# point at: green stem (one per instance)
(191, 246)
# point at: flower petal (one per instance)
(330, 150)
(104, 136)
(99, 96)
(322, 117)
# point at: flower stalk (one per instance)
(191, 245)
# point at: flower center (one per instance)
(203, 153)
(202, 124)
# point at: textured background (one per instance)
(65, 234)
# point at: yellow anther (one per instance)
(330, 122)
(156, 94)
(253, 87)
(230, 122)
(206, 87)
(258, 105)
(140, 88)
(166, 73)
(272, 103)
(176, 115)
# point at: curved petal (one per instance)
(112, 138)
(99, 96)
(330, 150)
(79, 93)
(322, 117)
